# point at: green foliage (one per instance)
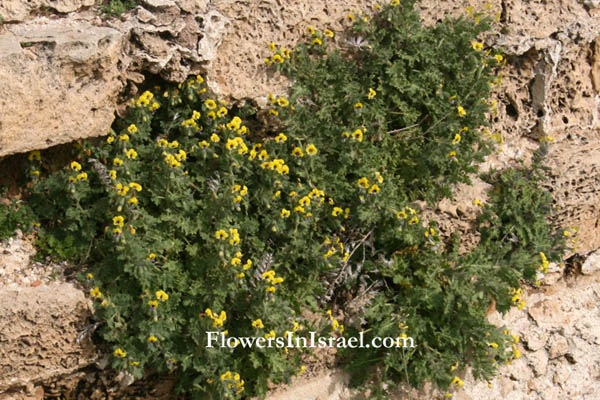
(191, 223)
(115, 8)
(14, 215)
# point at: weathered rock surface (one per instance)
(59, 83)
(38, 335)
(239, 69)
(41, 319)
(19, 10)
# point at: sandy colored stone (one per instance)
(60, 83)
(19, 10)
(535, 339)
(557, 346)
(38, 336)
(591, 264)
(238, 69)
(576, 192)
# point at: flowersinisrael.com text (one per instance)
(219, 339)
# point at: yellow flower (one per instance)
(281, 138)
(263, 155)
(317, 42)
(363, 183)
(222, 112)
(110, 139)
(117, 231)
(161, 295)
(357, 135)
(378, 177)
(34, 155)
(299, 209)
(371, 94)
(199, 79)
(457, 139)
(215, 138)
(131, 153)
(173, 144)
(394, 3)
(284, 213)
(305, 201)
(210, 104)
(153, 303)
(273, 112)
(226, 376)
(297, 152)
(311, 150)
(124, 138)
(203, 144)
(89, 276)
(270, 289)
(350, 17)
(498, 58)
(118, 221)
(120, 353)
(451, 154)
(457, 381)
(189, 122)
(277, 58)
(151, 257)
(152, 339)
(96, 293)
(477, 46)
(271, 334)
(358, 106)
(234, 123)
(132, 230)
(236, 261)
(329, 33)
(162, 143)
(374, 189)
(235, 237)
(82, 176)
(516, 352)
(134, 363)
(221, 234)
(413, 220)
(117, 162)
(336, 211)
(461, 111)
(283, 102)
(132, 128)
(401, 214)
(75, 166)
(258, 324)
(135, 186)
